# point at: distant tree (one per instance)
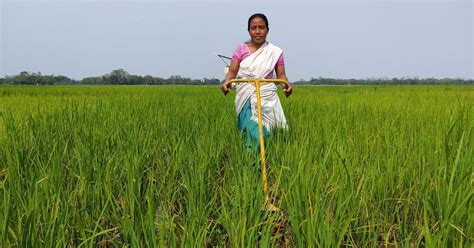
(63, 80)
(134, 80)
(92, 80)
(174, 80)
(148, 80)
(210, 81)
(119, 76)
(24, 74)
(159, 81)
(36, 79)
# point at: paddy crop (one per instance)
(166, 166)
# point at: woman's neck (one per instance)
(255, 46)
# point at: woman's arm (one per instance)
(281, 74)
(233, 69)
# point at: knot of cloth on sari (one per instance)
(258, 65)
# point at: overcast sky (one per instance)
(338, 39)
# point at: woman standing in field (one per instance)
(256, 58)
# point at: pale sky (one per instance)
(337, 39)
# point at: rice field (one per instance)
(165, 166)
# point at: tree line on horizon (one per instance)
(116, 77)
(122, 77)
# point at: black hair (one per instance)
(264, 18)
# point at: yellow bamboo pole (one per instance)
(261, 140)
(258, 83)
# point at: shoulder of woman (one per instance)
(239, 46)
(273, 45)
(275, 48)
(242, 44)
(242, 48)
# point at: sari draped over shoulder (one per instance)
(258, 65)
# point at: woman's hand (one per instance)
(225, 88)
(288, 90)
(233, 69)
(281, 74)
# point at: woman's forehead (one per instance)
(257, 21)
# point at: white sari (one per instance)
(258, 65)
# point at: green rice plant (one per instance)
(166, 166)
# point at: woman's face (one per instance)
(258, 30)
